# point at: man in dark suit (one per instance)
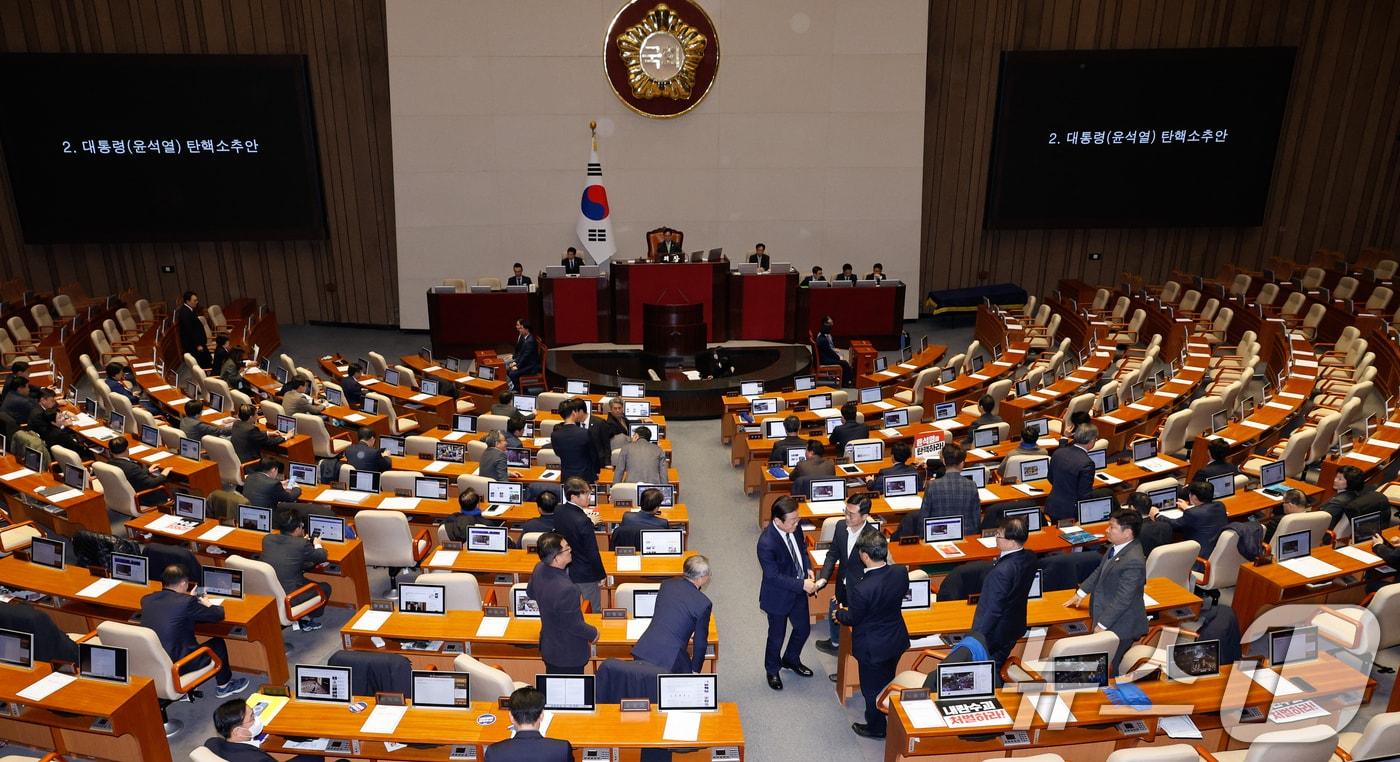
(1117, 584)
(572, 443)
(518, 276)
(117, 384)
(140, 476)
(876, 618)
(572, 262)
(669, 250)
(848, 272)
(350, 384)
(192, 335)
(760, 257)
(681, 618)
(610, 432)
(1071, 475)
(52, 424)
(816, 275)
(850, 429)
(1219, 450)
(645, 516)
(843, 562)
(877, 272)
(173, 611)
(900, 452)
(49, 642)
(249, 439)
(952, 494)
(291, 555)
(19, 402)
(791, 425)
(365, 455)
(575, 521)
(526, 706)
(263, 485)
(194, 427)
(827, 354)
(238, 728)
(1001, 612)
(525, 361)
(564, 636)
(1202, 517)
(782, 593)
(1155, 532)
(814, 466)
(715, 362)
(545, 502)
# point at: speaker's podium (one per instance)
(690, 300)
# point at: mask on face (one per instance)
(255, 729)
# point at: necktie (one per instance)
(792, 548)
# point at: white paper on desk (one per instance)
(1179, 726)
(928, 641)
(463, 379)
(979, 377)
(819, 557)
(1255, 425)
(64, 496)
(1156, 464)
(1111, 419)
(399, 503)
(1278, 405)
(681, 726)
(635, 627)
(922, 714)
(1077, 379)
(444, 558)
(216, 534)
(432, 369)
(216, 601)
(169, 524)
(1290, 395)
(436, 466)
(947, 425)
(1363, 556)
(889, 432)
(98, 588)
(985, 495)
(1168, 395)
(1032, 398)
(883, 405)
(1142, 407)
(454, 436)
(161, 388)
(178, 402)
(830, 412)
(136, 365)
(23, 472)
(545, 719)
(629, 563)
(904, 502)
(1363, 457)
(43, 688)
(420, 397)
(1052, 708)
(827, 507)
(370, 381)
(155, 456)
(493, 627)
(138, 449)
(315, 744)
(1148, 601)
(1037, 632)
(1270, 681)
(1309, 567)
(354, 418)
(371, 621)
(943, 388)
(383, 719)
(1171, 513)
(1383, 444)
(341, 496)
(983, 454)
(1002, 364)
(887, 374)
(988, 542)
(1028, 489)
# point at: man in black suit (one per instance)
(572, 443)
(791, 425)
(1155, 532)
(1000, 617)
(1071, 475)
(814, 466)
(564, 636)
(526, 706)
(669, 250)
(760, 257)
(49, 642)
(645, 516)
(545, 502)
(138, 475)
(525, 361)
(192, 335)
(574, 520)
(263, 485)
(715, 362)
(681, 618)
(249, 439)
(1219, 450)
(827, 354)
(848, 272)
(350, 384)
(572, 262)
(52, 424)
(291, 555)
(238, 728)
(1117, 584)
(849, 429)
(900, 452)
(1202, 517)
(193, 426)
(518, 277)
(782, 592)
(842, 554)
(610, 432)
(173, 611)
(816, 275)
(365, 455)
(19, 402)
(877, 272)
(876, 618)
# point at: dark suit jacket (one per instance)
(362, 457)
(518, 280)
(826, 350)
(354, 391)
(493, 466)
(19, 406)
(571, 266)
(140, 478)
(1215, 468)
(780, 590)
(603, 429)
(249, 440)
(1202, 523)
(577, 528)
(543, 523)
(577, 457)
(848, 566)
(644, 520)
(714, 362)
(878, 633)
(197, 429)
(49, 641)
(530, 746)
(173, 616)
(527, 354)
(1001, 612)
(952, 495)
(191, 330)
(1116, 594)
(1071, 479)
(291, 557)
(564, 636)
(762, 260)
(266, 492)
(236, 752)
(780, 448)
(1155, 533)
(682, 618)
(843, 434)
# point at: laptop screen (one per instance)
(987, 436)
(640, 390)
(430, 488)
(867, 452)
(1271, 473)
(1163, 498)
(978, 475)
(869, 394)
(465, 423)
(687, 692)
(1294, 545)
(1199, 658)
(450, 690)
(505, 493)
(819, 402)
(899, 486)
(487, 539)
(1095, 510)
(254, 519)
(129, 568)
(317, 683)
(819, 490)
(1031, 515)
(566, 693)
(303, 473)
(102, 662)
(943, 529)
(328, 528)
(803, 383)
(17, 648)
(1292, 645)
(1100, 459)
(918, 595)
(1034, 469)
(662, 542)
(1144, 449)
(422, 599)
(1224, 485)
(392, 445)
(967, 680)
(668, 492)
(897, 418)
(219, 580)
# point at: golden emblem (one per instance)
(662, 53)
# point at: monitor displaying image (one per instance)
(662, 542)
(518, 457)
(303, 474)
(505, 493)
(866, 452)
(968, 680)
(1099, 458)
(636, 409)
(189, 448)
(525, 403)
(1094, 510)
(286, 425)
(1040, 426)
(688, 692)
(943, 529)
(254, 519)
(897, 418)
(945, 410)
(444, 690)
(576, 386)
(449, 452)
(1163, 498)
(428, 386)
(523, 605)
(987, 436)
(819, 402)
(821, 490)
(978, 475)
(1294, 545)
(1144, 449)
(150, 435)
(222, 581)
(487, 539)
(328, 528)
(900, 486)
(318, 683)
(869, 395)
(1272, 473)
(566, 693)
(1224, 485)
(668, 493)
(918, 596)
(430, 488)
(393, 446)
(773, 429)
(422, 599)
(189, 507)
(1196, 658)
(764, 406)
(1031, 515)
(364, 481)
(1034, 469)
(1292, 645)
(129, 568)
(75, 476)
(464, 423)
(1079, 672)
(803, 383)
(102, 662)
(46, 552)
(746, 389)
(17, 649)
(795, 455)
(632, 389)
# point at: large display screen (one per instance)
(1132, 138)
(106, 148)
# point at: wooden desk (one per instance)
(1141, 418)
(429, 409)
(256, 647)
(64, 720)
(86, 512)
(501, 570)
(1052, 400)
(735, 403)
(199, 476)
(904, 372)
(345, 573)
(968, 387)
(480, 392)
(1263, 587)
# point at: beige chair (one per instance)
(626, 593)
(530, 540)
(1385, 269)
(395, 481)
(118, 493)
(458, 283)
(144, 311)
(1316, 522)
(170, 437)
(1174, 561)
(43, 319)
(398, 423)
(122, 405)
(202, 754)
(217, 322)
(1222, 570)
(377, 364)
(487, 683)
(145, 657)
(1380, 299)
(389, 541)
(260, 578)
(490, 422)
(322, 442)
(407, 376)
(17, 536)
(1293, 452)
(1076, 645)
(623, 493)
(222, 453)
(494, 283)
(19, 331)
(474, 482)
(1314, 743)
(1046, 757)
(1268, 293)
(63, 305)
(1313, 277)
(915, 391)
(118, 353)
(547, 458)
(461, 591)
(421, 445)
(1179, 752)
(1384, 605)
(127, 322)
(1380, 737)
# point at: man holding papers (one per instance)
(681, 618)
(878, 634)
(564, 636)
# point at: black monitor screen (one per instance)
(1131, 138)
(160, 147)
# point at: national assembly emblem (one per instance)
(661, 58)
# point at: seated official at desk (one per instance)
(680, 618)
(791, 441)
(291, 555)
(117, 384)
(49, 642)
(249, 439)
(816, 464)
(504, 404)
(877, 273)
(951, 494)
(848, 272)
(468, 515)
(350, 385)
(545, 502)
(1218, 466)
(263, 486)
(19, 401)
(172, 612)
(194, 428)
(515, 426)
(1202, 518)
(827, 354)
(565, 638)
(528, 745)
(900, 453)
(816, 275)
(518, 276)
(645, 516)
(140, 476)
(238, 729)
(760, 257)
(296, 398)
(1294, 501)
(669, 250)
(365, 454)
(572, 262)
(1029, 445)
(987, 406)
(849, 429)
(493, 461)
(525, 361)
(51, 424)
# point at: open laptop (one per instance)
(1272, 478)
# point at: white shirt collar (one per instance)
(1119, 547)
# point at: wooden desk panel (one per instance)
(86, 512)
(1262, 587)
(68, 714)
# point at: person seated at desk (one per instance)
(1029, 445)
(1202, 517)
(545, 502)
(1294, 501)
(1350, 484)
(849, 429)
(875, 615)
(565, 638)
(291, 555)
(249, 439)
(526, 359)
(264, 487)
(816, 275)
(715, 362)
(351, 386)
(505, 404)
(791, 441)
(493, 461)
(173, 611)
(238, 729)
(988, 407)
(814, 465)
(49, 642)
(518, 276)
(221, 353)
(877, 273)
(1155, 532)
(528, 745)
(231, 370)
(572, 262)
(680, 618)
(468, 515)
(1001, 611)
(51, 424)
(827, 354)
(19, 371)
(19, 403)
(611, 431)
(640, 461)
(365, 454)
(1116, 585)
(760, 257)
(195, 428)
(116, 384)
(140, 476)
(515, 426)
(900, 453)
(296, 398)
(648, 503)
(669, 250)
(848, 272)
(1219, 450)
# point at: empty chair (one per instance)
(1174, 562)
(1267, 294)
(1076, 645)
(462, 593)
(626, 593)
(1222, 569)
(19, 331)
(1240, 285)
(458, 283)
(487, 683)
(1313, 277)
(63, 305)
(389, 541)
(1179, 752)
(43, 320)
(1314, 743)
(1381, 736)
(398, 423)
(398, 481)
(1346, 288)
(222, 453)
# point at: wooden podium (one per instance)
(673, 330)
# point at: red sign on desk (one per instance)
(929, 444)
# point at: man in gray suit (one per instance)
(1117, 584)
(493, 461)
(640, 461)
(291, 555)
(681, 619)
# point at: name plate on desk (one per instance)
(624, 550)
(381, 604)
(725, 754)
(494, 611)
(914, 694)
(614, 613)
(634, 705)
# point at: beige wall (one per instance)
(811, 139)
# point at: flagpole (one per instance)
(593, 131)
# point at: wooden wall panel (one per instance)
(1337, 174)
(349, 277)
